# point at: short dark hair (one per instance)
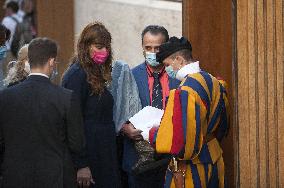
(185, 53)
(13, 6)
(40, 50)
(155, 30)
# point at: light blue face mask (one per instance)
(3, 50)
(54, 73)
(171, 72)
(151, 59)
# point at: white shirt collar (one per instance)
(38, 74)
(190, 68)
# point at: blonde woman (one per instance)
(20, 71)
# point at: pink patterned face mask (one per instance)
(100, 57)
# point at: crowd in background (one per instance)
(19, 19)
(79, 133)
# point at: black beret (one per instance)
(173, 45)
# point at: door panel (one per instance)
(208, 26)
(56, 20)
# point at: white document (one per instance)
(146, 118)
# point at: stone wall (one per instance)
(126, 19)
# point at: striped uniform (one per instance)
(197, 109)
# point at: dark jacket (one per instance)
(99, 127)
(141, 76)
(41, 128)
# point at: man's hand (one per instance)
(84, 177)
(132, 133)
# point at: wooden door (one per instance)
(208, 26)
(2, 10)
(55, 19)
(260, 85)
(251, 35)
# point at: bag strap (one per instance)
(15, 19)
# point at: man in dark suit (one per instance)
(154, 85)
(41, 128)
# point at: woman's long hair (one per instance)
(20, 70)
(98, 76)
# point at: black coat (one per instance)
(41, 128)
(99, 128)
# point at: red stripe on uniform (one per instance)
(178, 140)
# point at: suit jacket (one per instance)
(141, 77)
(41, 130)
